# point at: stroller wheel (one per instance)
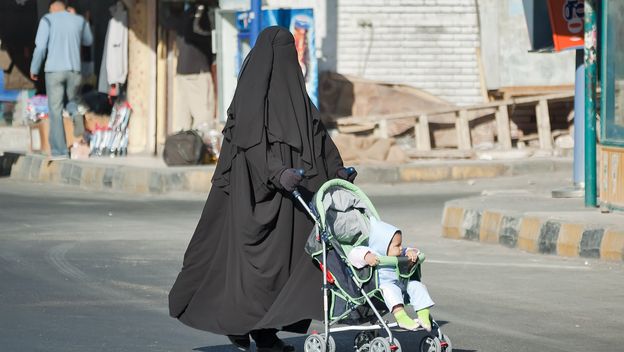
(446, 344)
(362, 341)
(316, 343)
(430, 344)
(380, 344)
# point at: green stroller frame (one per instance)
(360, 288)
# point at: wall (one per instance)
(429, 44)
(505, 47)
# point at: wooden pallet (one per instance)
(461, 117)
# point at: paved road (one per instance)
(84, 271)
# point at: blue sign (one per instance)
(300, 22)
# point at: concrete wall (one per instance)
(429, 44)
(505, 49)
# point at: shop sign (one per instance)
(567, 21)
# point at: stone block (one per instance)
(612, 245)
(87, 178)
(568, 243)
(549, 233)
(107, 177)
(529, 234)
(75, 175)
(18, 167)
(176, 181)
(461, 172)
(416, 173)
(25, 169)
(490, 227)
(66, 172)
(35, 169)
(471, 225)
(199, 181)
(156, 183)
(132, 180)
(451, 222)
(373, 174)
(590, 243)
(52, 172)
(509, 230)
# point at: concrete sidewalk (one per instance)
(536, 223)
(150, 174)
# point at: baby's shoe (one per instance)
(405, 321)
(423, 319)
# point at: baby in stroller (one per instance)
(386, 240)
(365, 269)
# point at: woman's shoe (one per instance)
(241, 342)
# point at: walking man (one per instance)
(60, 34)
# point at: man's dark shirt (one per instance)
(194, 49)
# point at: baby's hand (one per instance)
(371, 259)
(412, 253)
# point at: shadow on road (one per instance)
(222, 348)
(410, 342)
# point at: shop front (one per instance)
(611, 146)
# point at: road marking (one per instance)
(511, 265)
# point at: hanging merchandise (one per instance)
(37, 108)
(114, 68)
(112, 140)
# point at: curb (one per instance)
(101, 177)
(160, 180)
(534, 234)
(432, 171)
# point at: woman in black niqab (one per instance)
(244, 269)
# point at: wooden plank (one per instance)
(502, 127)
(382, 130)
(482, 83)
(357, 128)
(543, 124)
(421, 132)
(463, 130)
(480, 109)
(477, 114)
(515, 91)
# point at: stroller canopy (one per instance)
(344, 211)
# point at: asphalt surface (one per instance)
(85, 271)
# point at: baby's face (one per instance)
(394, 249)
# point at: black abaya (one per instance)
(245, 268)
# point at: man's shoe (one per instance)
(241, 342)
(279, 346)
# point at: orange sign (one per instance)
(566, 20)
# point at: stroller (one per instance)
(352, 297)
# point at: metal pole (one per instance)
(591, 33)
(579, 122)
(256, 18)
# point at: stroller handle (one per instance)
(297, 195)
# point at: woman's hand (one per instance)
(290, 179)
(347, 174)
(371, 259)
